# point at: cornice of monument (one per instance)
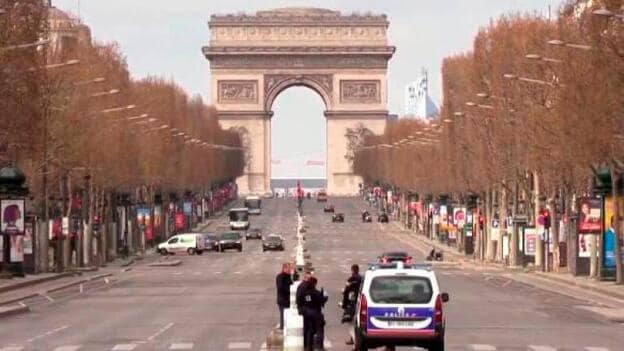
(298, 16)
(211, 51)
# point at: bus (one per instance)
(253, 204)
(239, 218)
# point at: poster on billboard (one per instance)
(609, 237)
(188, 208)
(144, 218)
(158, 216)
(459, 216)
(530, 241)
(590, 215)
(28, 238)
(17, 248)
(585, 244)
(12, 217)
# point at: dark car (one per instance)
(329, 208)
(321, 196)
(230, 241)
(338, 217)
(394, 256)
(253, 233)
(382, 218)
(211, 241)
(273, 242)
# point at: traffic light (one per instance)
(546, 216)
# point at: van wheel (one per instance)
(164, 252)
(190, 251)
(199, 252)
(437, 344)
(360, 342)
(240, 249)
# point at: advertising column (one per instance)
(589, 226)
(609, 240)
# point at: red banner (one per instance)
(179, 220)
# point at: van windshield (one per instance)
(239, 216)
(253, 204)
(401, 289)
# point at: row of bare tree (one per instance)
(77, 111)
(531, 113)
(80, 127)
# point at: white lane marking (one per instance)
(217, 272)
(48, 333)
(239, 345)
(198, 273)
(177, 273)
(593, 348)
(482, 347)
(541, 348)
(160, 331)
(238, 272)
(124, 347)
(68, 348)
(181, 346)
(12, 348)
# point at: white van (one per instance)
(239, 218)
(191, 243)
(253, 204)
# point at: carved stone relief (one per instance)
(324, 80)
(359, 91)
(374, 33)
(238, 91)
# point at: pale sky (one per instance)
(164, 38)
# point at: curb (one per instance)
(583, 285)
(166, 264)
(13, 310)
(36, 281)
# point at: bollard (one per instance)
(293, 330)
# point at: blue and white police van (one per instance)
(400, 305)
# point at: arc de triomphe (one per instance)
(343, 58)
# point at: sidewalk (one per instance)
(451, 254)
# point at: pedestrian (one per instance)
(300, 300)
(283, 281)
(313, 319)
(352, 287)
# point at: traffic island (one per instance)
(7, 311)
(166, 263)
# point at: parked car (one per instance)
(253, 233)
(191, 243)
(394, 256)
(211, 241)
(321, 196)
(273, 242)
(400, 305)
(338, 218)
(230, 241)
(329, 208)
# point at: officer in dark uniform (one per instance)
(300, 298)
(351, 290)
(314, 321)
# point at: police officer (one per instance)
(283, 281)
(300, 299)
(352, 287)
(313, 319)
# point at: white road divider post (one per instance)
(293, 323)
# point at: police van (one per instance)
(400, 305)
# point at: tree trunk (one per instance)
(514, 252)
(489, 239)
(503, 224)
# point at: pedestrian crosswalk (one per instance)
(245, 345)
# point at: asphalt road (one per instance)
(226, 301)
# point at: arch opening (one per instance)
(298, 138)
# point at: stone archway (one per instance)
(343, 58)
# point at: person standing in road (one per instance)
(283, 281)
(313, 319)
(300, 299)
(348, 305)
